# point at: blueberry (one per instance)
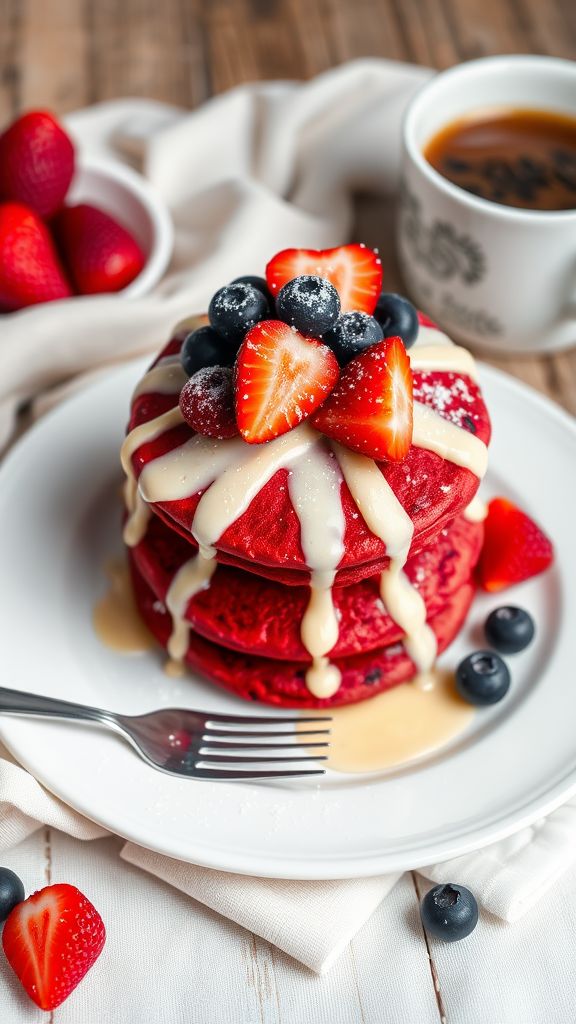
(11, 892)
(449, 912)
(482, 678)
(260, 284)
(351, 334)
(509, 629)
(205, 347)
(234, 309)
(397, 316)
(310, 304)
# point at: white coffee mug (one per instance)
(493, 276)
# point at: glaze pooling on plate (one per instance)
(231, 473)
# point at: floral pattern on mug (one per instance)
(444, 251)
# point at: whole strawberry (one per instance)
(36, 162)
(51, 940)
(100, 254)
(30, 270)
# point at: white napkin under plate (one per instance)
(260, 168)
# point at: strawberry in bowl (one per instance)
(71, 226)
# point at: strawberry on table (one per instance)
(370, 409)
(36, 162)
(354, 270)
(281, 378)
(101, 255)
(30, 270)
(51, 940)
(515, 548)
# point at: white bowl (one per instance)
(127, 196)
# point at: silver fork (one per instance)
(193, 744)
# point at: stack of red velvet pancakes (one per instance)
(301, 479)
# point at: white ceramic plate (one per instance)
(59, 522)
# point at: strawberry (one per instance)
(354, 270)
(514, 547)
(36, 162)
(100, 254)
(51, 940)
(370, 409)
(207, 402)
(30, 270)
(281, 378)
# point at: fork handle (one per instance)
(17, 702)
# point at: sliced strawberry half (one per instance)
(370, 409)
(354, 270)
(51, 940)
(515, 548)
(281, 378)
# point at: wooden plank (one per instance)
(10, 60)
(146, 49)
(53, 55)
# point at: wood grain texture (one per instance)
(67, 53)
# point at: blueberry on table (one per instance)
(260, 284)
(397, 317)
(351, 334)
(310, 304)
(205, 347)
(449, 912)
(509, 629)
(482, 678)
(234, 309)
(11, 892)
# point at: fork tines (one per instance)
(230, 741)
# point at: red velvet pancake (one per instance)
(282, 682)
(266, 538)
(257, 616)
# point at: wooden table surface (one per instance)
(66, 54)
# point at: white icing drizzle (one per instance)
(389, 521)
(443, 358)
(230, 494)
(137, 521)
(231, 473)
(376, 501)
(314, 484)
(167, 377)
(431, 336)
(193, 576)
(476, 511)
(406, 606)
(437, 434)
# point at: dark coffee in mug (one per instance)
(524, 158)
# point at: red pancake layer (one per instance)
(257, 616)
(282, 683)
(266, 538)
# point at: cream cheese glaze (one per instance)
(232, 472)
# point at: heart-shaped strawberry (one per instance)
(354, 270)
(281, 378)
(30, 270)
(51, 940)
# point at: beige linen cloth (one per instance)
(260, 168)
